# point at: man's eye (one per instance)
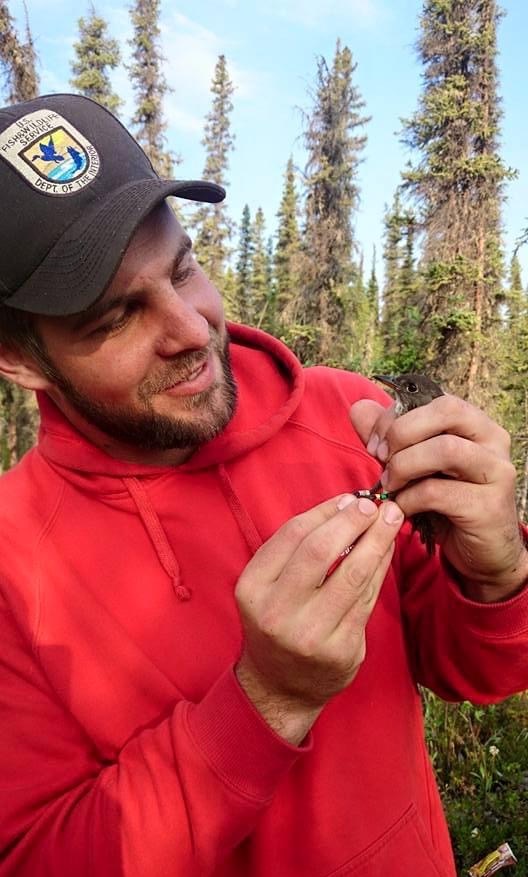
(120, 321)
(183, 272)
(116, 324)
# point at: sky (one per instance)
(272, 47)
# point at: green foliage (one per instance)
(244, 306)
(18, 418)
(255, 290)
(372, 291)
(287, 258)
(261, 291)
(18, 423)
(218, 139)
(362, 312)
(513, 345)
(480, 756)
(302, 337)
(17, 59)
(230, 296)
(271, 317)
(401, 332)
(328, 273)
(149, 84)
(96, 54)
(443, 276)
(462, 320)
(457, 184)
(211, 223)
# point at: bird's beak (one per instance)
(388, 380)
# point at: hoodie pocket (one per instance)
(402, 850)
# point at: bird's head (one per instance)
(411, 390)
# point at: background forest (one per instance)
(449, 300)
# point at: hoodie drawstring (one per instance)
(157, 535)
(245, 524)
(159, 540)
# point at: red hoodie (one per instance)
(127, 747)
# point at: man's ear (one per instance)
(19, 367)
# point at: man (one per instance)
(184, 689)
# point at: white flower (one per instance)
(493, 751)
(475, 832)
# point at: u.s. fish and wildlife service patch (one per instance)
(49, 153)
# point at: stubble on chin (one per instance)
(143, 427)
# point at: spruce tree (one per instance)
(401, 346)
(149, 84)
(211, 223)
(457, 185)
(359, 357)
(96, 53)
(17, 59)
(367, 345)
(516, 295)
(270, 323)
(18, 410)
(244, 306)
(334, 140)
(230, 295)
(513, 412)
(260, 291)
(392, 257)
(372, 291)
(286, 263)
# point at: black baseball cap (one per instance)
(74, 186)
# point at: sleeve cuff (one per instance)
(237, 743)
(505, 619)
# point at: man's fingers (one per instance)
(457, 457)
(355, 619)
(445, 415)
(270, 560)
(357, 580)
(366, 415)
(351, 590)
(309, 564)
(461, 502)
(378, 426)
(291, 625)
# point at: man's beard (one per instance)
(141, 426)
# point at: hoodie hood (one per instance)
(270, 384)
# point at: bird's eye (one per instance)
(412, 388)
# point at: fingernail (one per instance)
(384, 478)
(392, 513)
(382, 452)
(345, 500)
(366, 506)
(373, 443)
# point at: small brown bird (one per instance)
(412, 391)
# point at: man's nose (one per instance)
(182, 326)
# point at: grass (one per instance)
(480, 755)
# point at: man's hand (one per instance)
(479, 534)
(304, 632)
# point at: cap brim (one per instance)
(81, 264)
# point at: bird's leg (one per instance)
(376, 493)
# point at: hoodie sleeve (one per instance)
(460, 649)
(177, 800)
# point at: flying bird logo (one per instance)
(57, 156)
(50, 153)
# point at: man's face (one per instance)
(147, 365)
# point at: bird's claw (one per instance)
(375, 496)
